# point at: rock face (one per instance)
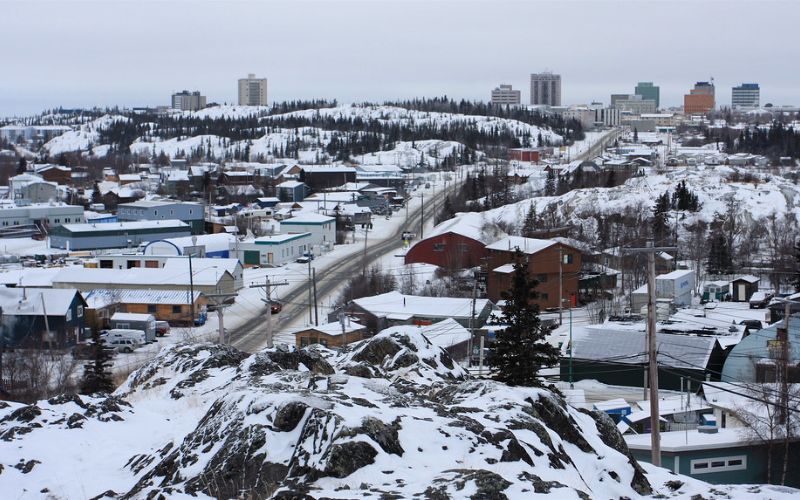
(393, 417)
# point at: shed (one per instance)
(331, 335)
(744, 287)
(133, 321)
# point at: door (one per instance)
(269, 258)
(251, 257)
(742, 293)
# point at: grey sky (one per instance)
(133, 53)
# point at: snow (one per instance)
(82, 139)
(529, 246)
(395, 305)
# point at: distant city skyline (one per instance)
(80, 54)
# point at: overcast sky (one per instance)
(136, 53)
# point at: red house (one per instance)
(458, 243)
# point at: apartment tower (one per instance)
(188, 101)
(252, 91)
(699, 100)
(545, 89)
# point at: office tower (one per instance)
(746, 96)
(545, 89)
(649, 91)
(252, 91)
(504, 94)
(699, 100)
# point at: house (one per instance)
(55, 173)
(447, 334)
(274, 250)
(619, 357)
(115, 235)
(153, 210)
(744, 287)
(321, 177)
(321, 228)
(331, 335)
(753, 359)
(236, 178)
(717, 456)
(41, 317)
(552, 263)
(292, 190)
(393, 308)
(458, 243)
(715, 291)
(173, 306)
(267, 202)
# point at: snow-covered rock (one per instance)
(391, 417)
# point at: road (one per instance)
(251, 336)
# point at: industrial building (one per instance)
(191, 213)
(116, 234)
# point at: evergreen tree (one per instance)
(97, 373)
(550, 183)
(22, 166)
(660, 220)
(520, 350)
(719, 255)
(635, 134)
(97, 197)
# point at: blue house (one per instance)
(41, 317)
(292, 191)
(751, 360)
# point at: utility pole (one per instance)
(472, 322)
(652, 373)
(191, 289)
(268, 288)
(310, 304)
(421, 215)
(560, 284)
(219, 301)
(366, 234)
(314, 279)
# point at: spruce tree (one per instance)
(22, 166)
(635, 134)
(660, 221)
(520, 350)
(97, 373)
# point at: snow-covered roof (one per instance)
(124, 226)
(470, 224)
(121, 316)
(308, 219)
(315, 169)
(628, 347)
(110, 278)
(34, 301)
(274, 239)
(333, 328)
(101, 297)
(289, 184)
(445, 333)
(218, 242)
(748, 278)
(32, 277)
(395, 305)
(611, 404)
(504, 269)
(529, 246)
(181, 264)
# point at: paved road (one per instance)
(600, 146)
(251, 336)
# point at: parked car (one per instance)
(124, 345)
(162, 328)
(303, 260)
(760, 299)
(752, 324)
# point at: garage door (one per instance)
(251, 257)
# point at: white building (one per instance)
(321, 228)
(746, 96)
(252, 91)
(506, 95)
(274, 250)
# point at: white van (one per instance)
(138, 336)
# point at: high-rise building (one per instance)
(504, 94)
(746, 96)
(252, 91)
(699, 100)
(649, 91)
(632, 103)
(188, 101)
(545, 89)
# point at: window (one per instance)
(718, 464)
(438, 247)
(69, 314)
(155, 212)
(176, 309)
(567, 258)
(80, 311)
(541, 278)
(544, 296)
(151, 308)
